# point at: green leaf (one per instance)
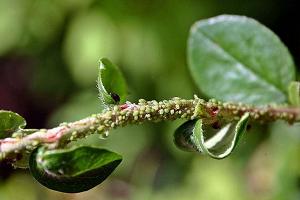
(72, 170)
(235, 58)
(224, 141)
(218, 143)
(111, 83)
(10, 122)
(294, 93)
(185, 139)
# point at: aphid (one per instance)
(214, 111)
(248, 127)
(115, 97)
(124, 106)
(216, 125)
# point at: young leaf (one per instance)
(111, 83)
(72, 170)
(235, 58)
(294, 93)
(217, 143)
(10, 122)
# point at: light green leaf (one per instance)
(224, 141)
(235, 58)
(111, 83)
(294, 93)
(10, 122)
(217, 143)
(72, 170)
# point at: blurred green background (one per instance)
(49, 53)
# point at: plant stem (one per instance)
(130, 113)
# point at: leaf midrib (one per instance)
(270, 84)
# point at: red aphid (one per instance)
(124, 106)
(214, 111)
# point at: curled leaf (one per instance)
(217, 142)
(224, 141)
(10, 122)
(185, 139)
(72, 170)
(111, 83)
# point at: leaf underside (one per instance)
(194, 136)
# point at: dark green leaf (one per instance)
(235, 58)
(10, 122)
(218, 143)
(185, 139)
(73, 170)
(111, 83)
(294, 93)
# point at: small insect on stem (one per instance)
(216, 125)
(124, 106)
(115, 97)
(214, 111)
(248, 128)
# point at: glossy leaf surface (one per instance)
(185, 139)
(218, 143)
(223, 142)
(111, 83)
(235, 58)
(73, 170)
